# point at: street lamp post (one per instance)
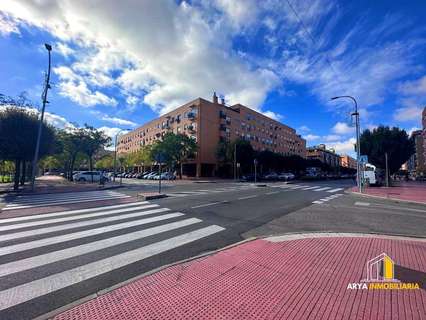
(40, 126)
(115, 153)
(358, 145)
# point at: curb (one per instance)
(53, 313)
(152, 196)
(384, 198)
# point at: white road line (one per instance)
(192, 192)
(44, 259)
(274, 192)
(310, 188)
(322, 189)
(83, 234)
(63, 196)
(75, 217)
(65, 199)
(177, 195)
(317, 202)
(248, 197)
(362, 204)
(43, 286)
(335, 190)
(63, 227)
(62, 202)
(63, 213)
(205, 205)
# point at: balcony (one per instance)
(191, 115)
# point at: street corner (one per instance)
(305, 276)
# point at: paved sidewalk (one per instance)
(290, 277)
(406, 191)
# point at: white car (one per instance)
(86, 176)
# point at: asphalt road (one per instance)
(50, 261)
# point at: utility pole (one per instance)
(255, 170)
(358, 145)
(387, 169)
(235, 161)
(40, 126)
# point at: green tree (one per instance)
(106, 162)
(393, 141)
(18, 134)
(93, 140)
(176, 149)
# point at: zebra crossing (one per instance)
(42, 254)
(329, 198)
(204, 191)
(308, 187)
(40, 200)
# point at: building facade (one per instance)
(424, 133)
(210, 122)
(416, 164)
(321, 153)
(347, 162)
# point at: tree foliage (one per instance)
(393, 141)
(175, 149)
(18, 135)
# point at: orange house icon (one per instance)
(381, 269)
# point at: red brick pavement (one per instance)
(294, 279)
(415, 192)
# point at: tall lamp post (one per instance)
(115, 153)
(358, 145)
(40, 126)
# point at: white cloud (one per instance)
(416, 87)
(51, 118)
(408, 114)
(118, 121)
(64, 49)
(311, 137)
(331, 137)
(344, 147)
(172, 52)
(8, 25)
(304, 128)
(74, 87)
(273, 115)
(410, 131)
(342, 128)
(112, 133)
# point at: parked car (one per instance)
(166, 176)
(151, 175)
(286, 176)
(271, 176)
(86, 176)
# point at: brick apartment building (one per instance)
(327, 156)
(209, 122)
(347, 162)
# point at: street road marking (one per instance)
(335, 190)
(317, 202)
(322, 189)
(36, 261)
(362, 204)
(63, 213)
(83, 234)
(63, 202)
(310, 188)
(74, 217)
(274, 192)
(61, 196)
(28, 291)
(205, 205)
(29, 233)
(248, 197)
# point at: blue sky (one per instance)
(120, 65)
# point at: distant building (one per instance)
(347, 162)
(211, 122)
(327, 156)
(416, 164)
(424, 132)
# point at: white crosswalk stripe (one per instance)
(180, 194)
(104, 251)
(322, 189)
(334, 190)
(334, 196)
(32, 201)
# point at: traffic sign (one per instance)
(363, 159)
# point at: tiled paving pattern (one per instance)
(296, 279)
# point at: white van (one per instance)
(86, 176)
(369, 173)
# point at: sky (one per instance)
(119, 64)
